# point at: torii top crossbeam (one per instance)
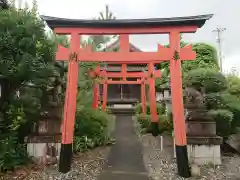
(133, 26)
(125, 26)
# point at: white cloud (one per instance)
(231, 62)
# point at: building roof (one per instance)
(115, 43)
(199, 21)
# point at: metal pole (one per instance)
(219, 31)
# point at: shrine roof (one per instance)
(54, 22)
(115, 43)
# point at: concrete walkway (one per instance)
(125, 159)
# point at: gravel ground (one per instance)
(162, 166)
(86, 166)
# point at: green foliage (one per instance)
(27, 65)
(221, 93)
(25, 49)
(165, 123)
(91, 129)
(145, 122)
(233, 85)
(208, 79)
(163, 81)
(11, 153)
(206, 58)
(231, 103)
(223, 120)
(160, 108)
(26, 57)
(213, 101)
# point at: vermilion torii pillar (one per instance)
(143, 96)
(70, 105)
(96, 90)
(174, 54)
(152, 100)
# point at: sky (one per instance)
(226, 15)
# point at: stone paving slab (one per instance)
(125, 161)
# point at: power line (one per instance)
(219, 31)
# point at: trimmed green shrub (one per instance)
(165, 123)
(145, 122)
(233, 83)
(206, 58)
(223, 120)
(160, 108)
(138, 109)
(91, 129)
(12, 154)
(213, 101)
(209, 79)
(231, 103)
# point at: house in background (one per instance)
(122, 93)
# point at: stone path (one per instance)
(125, 161)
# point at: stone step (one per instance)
(122, 110)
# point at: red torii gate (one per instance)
(107, 82)
(172, 26)
(144, 76)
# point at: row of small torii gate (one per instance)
(174, 54)
(143, 78)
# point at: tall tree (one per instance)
(85, 83)
(4, 4)
(26, 57)
(106, 15)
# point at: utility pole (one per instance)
(219, 31)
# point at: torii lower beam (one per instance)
(163, 54)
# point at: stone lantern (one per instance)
(44, 143)
(203, 143)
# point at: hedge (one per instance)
(223, 120)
